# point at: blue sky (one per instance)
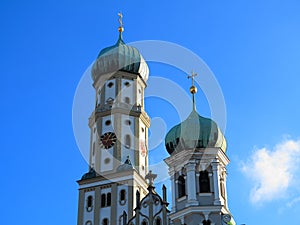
(252, 47)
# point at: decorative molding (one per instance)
(181, 198)
(89, 190)
(205, 194)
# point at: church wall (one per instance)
(181, 202)
(110, 89)
(122, 205)
(143, 149)
(80, 209)
(194, 219)
(216, 218)
(88, 214)
(106, 162)
(107, 127)
(105, 212)
(127, 132)
(93, 145)
(127, 89)
(205, 199)
(139, 94)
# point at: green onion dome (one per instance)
(195, 132)
(120, 57)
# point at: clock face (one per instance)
(107, 140)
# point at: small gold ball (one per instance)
(193, 89)
(120, 29)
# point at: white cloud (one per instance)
(273, 171)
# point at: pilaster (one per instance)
(173, 184)
(216, 176)
(191, 184)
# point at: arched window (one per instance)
(103, 200)
(206, 222)
(90, 201)
(181, 186)
(105, 221)
(204, 182)
(122, 195)
(158, 221)
(127, 141)
(144, 222)
(108, 199)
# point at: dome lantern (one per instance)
(120, 57)
(194, 132)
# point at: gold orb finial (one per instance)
(193, 89)
(121, 29)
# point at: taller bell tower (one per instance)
(119, 126)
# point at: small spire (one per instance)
(193, 88)
(164, 191)
(121, 28)
(151, 176)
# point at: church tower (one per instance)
(197, 166)
(119, 125)
(114, 191)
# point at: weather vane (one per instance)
(121, 28)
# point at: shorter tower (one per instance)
(197, 166)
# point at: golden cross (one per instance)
(120, 19)
(193, 77)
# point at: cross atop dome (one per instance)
(193, 77)
(121, 28)
(193, 88)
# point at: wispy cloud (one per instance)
(273, 171)
(293, 202)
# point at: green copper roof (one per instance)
(120, 57)
(194, 132)
(91, 174)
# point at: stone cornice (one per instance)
(208, 155)
(112, 178)
(122, 74)
(198, 209)
(123, 108)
